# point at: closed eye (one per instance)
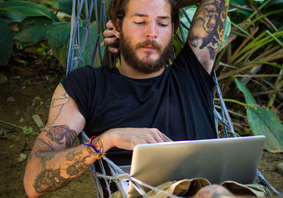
(163, 24)
(139, 23)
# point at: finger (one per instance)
(110, 41)
(165, 138)
(108, 33)
(159, 137)
(113, 50)
(109, 24)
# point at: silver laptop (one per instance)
(216, 160)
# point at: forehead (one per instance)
(149, 7)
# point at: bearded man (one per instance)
(143, 101)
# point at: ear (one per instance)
(116, 29)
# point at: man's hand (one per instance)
(128, 138)
(110, 39)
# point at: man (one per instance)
(141, 102)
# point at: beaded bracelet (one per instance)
(99, 155)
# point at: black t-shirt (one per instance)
(179, 102)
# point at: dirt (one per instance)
(31, 80)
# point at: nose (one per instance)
(151, 31)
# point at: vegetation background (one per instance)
(34, 41)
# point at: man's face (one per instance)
(146, 35)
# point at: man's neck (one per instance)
(130, 72)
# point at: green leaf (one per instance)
(273, 5)
(248, 96)
(89, 45)
(6, 43)
(24, 8)
(264, 121)
(66, 6)
(239, 3)
(42, 48)
(260, 1)
(27, 130)
(190, 12)
(89, 48)
(58, 37)
(227, 29)
(9, 17)
(33, 29)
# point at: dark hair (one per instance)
(117, 10)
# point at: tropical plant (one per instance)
(36, 24)
(254, 54)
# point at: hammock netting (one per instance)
(86, 47)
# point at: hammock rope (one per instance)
(97, 54)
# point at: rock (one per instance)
(37, 120)
(3, 79)
(21, 120)
(279, 167)
(22, 157)
(11, 99)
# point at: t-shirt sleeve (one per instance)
(78, 84)
(187, 61)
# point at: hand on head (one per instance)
(110, 39)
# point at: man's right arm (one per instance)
(53, 164)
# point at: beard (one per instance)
(145, 66)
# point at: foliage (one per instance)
(5, 43)
(263, 121)
(253, 53)
(36, 24)
(27, 130)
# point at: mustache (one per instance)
(149, 42)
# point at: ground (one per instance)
(31, 80)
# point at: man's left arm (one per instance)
(207, 30)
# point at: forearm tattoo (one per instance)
(78, 166)
(50, 180)
(207, 28)
(97, 143)
(53, 179)
(41, 146)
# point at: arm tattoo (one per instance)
(41, 146)
(44, 158)
(72, 155)
(208, 25)
(57, 133)
(56, 105)
(97, 143)
(50, 180)
(79, 166)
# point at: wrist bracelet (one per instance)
(90, 144)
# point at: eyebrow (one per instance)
(144, 15)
